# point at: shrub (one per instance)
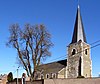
(10, 77)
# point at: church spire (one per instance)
(78, 33)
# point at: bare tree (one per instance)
(32, 44)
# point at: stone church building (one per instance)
(78, 62)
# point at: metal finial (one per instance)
(78, 4)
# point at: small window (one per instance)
(86, 75)
(47, 75)
(86, 51)
(42, 76)
(53, 75)
(73, 52)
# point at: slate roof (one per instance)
(53, 67)
(78, 33)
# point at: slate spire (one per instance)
(78, 33)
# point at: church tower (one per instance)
(79, 61)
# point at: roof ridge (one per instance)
(54, 62)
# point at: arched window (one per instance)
(86, 51)
(47, 75)
(79, 67)
(86, 75)
(42, 76)
(73, 51)
(54, 75)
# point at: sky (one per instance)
(58, 16)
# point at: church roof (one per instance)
(78, 33)
(53, 67)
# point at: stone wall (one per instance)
(27, 82)
(87, 66)
(73, 60)
(3, 79)
(62, 73)
(79, 61)
(73, 81)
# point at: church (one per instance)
(78, 62)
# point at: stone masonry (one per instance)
(82, 52)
